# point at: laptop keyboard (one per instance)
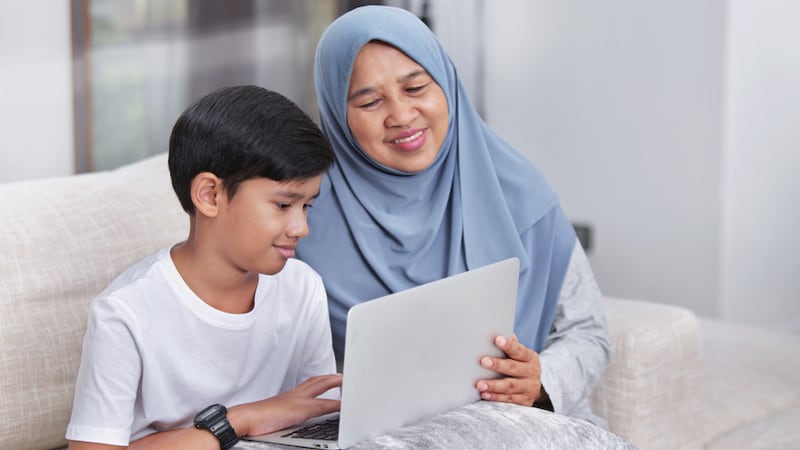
(327, 430)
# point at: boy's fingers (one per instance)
(319, 384)
(326, 405)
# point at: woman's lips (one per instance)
(409, 141)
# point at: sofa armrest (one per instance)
(651, 393)
(64, 239)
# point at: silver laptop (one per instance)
(414, 354)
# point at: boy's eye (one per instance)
(283, 206)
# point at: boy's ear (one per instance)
(205, 191)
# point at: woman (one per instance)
(422, 189)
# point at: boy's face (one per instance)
(261, 225)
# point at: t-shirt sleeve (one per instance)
(108, 377)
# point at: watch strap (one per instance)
(226, 435)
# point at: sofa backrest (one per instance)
(63, 240)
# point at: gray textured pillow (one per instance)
(490, 425)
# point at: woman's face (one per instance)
(395, 110)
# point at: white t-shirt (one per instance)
(155, 354)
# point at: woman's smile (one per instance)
(409, 141)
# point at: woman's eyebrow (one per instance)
(361, 92)
(412, 75)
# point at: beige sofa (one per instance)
(674, 381)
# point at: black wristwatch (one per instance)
(215, 419)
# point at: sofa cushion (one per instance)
(489, 425)
(751, 377)
(63, 241)
(778, 431)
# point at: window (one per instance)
(139, 63)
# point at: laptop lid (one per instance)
(415, 353)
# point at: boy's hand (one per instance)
(522, 383)
(290, 408)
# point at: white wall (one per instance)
(619, 103)
(669, 127)
(761, 197)
(36, 135)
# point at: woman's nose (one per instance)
(400, 112)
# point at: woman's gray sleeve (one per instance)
(577, 351)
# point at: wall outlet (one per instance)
(584, 232)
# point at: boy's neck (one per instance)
(221, 288)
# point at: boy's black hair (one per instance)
(243, 132)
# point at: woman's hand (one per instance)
(522, 383)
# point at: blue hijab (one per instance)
(375, 230)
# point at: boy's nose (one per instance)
(298, 226)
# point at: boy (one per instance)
(226, 317)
